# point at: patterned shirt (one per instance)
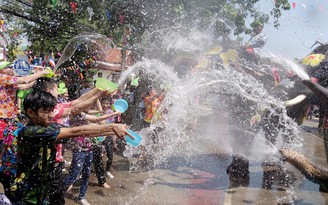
(149, 111)
(58, 118)
(9, 163)
(110, 119)
(8, 103)
(80, 143)
(35, 165)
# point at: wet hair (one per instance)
(39, 99)
(44, 83)
(149, 89)
(104, 99)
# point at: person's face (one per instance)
(42, 117)
(53, 90)
(153, 92)
(259, 29)
(106, 104)
(66, 97)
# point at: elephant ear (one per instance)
(313, 59)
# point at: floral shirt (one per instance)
(9, 163)
(34, 165)
(80, 143)
(58, 118)
(110, 119)
(8, 88)
(149, 111)
(58, 113)
(155, 105)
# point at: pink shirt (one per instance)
(58, 112)
(58, 118)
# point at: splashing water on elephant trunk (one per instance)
(299, 71)
(213, 110)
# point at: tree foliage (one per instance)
(124, 21)
(12, 35)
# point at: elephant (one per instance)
(315, 173)
(270, 74)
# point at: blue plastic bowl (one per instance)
(121, 105)
(133, 142)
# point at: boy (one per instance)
(63, 110)
(38, 179)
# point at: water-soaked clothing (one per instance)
(58, 118)
(39, 177)
(9, 162)
(82, 158)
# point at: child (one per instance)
(9, 84)
(63, 110)
(38, 179)
(97, 148)
(110, 141)
(82, 155)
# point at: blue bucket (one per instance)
(121, 105)
(133, 142)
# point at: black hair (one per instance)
(105, 99)
(44, 83)
(39, 99)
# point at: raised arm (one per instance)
(86, 96)
(32, 77)
(92, 118)
(26, 86)
(98, 108)
(80, 107)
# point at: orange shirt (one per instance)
(8, 102)
(149, 112)
(154, 106)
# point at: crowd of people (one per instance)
(37, 130)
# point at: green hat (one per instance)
(62, 88)
(4, 64)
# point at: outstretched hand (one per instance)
(121, 130)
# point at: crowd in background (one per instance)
(36, 137)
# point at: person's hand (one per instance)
(114, 92)
(45, 71)
(117, 113)
(48, 73)
(108, 93)
(121, 130)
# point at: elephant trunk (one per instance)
(314, 173)
(317, 89)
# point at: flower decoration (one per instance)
(313, 59)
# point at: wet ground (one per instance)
(202, 180)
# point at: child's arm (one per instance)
(19, 104)
(86, 96)
(98, 109)
(32, 77)
(25, 86)
(78, 108)
(92, 118)
(119, 130)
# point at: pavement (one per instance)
(202, 180)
